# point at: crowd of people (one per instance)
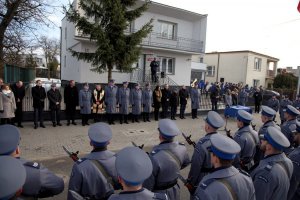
(247, 165)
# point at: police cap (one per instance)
(267, 111)
(244, 116)
(9, 139)
(100, 134)
(168, 128)
(291, 110)
(276, 138)
(214, 120)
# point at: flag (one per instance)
(298, 6)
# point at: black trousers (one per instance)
(153, 76)
(135, 118)
(182, 110)
(146, 116)
(110, 118)
(55, 115)
(194, 113)
(70, 112)
(38, 115)
(19, 113)
(124, 118)
(84, 118)
(173, 111)
(257, 107)
(97, 117)
(6, 121)
(156, 113)
(165, 111)
(214, 105)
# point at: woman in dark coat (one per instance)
(174, 104)
(156, 101)
(85, 103)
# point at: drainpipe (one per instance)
(218, 65)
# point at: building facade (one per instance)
(177, 35)
(247, 67)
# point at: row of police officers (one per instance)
(250, 165)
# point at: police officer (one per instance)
(94, 176)
(274, 104)
(111, 100)
(136, 102)
(272, 176)
(195, 100)
(133, 167)
(296, 103)
(124, 101)
(225, 182)
(40, 182)
(283, 105)
(168, 158)
(12, 176)
(289, 126)
(201, 164)
(147, 100)
(294, 191)
(248, 140)
(267, 115)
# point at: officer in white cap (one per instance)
(40, 182)
(94, 176)
(267, 115)
(111, 100)
(133, 167)
(225, 181)
(289, 126)
(272, 176)
(12, 177)
(201, 164)
(248, 140)
(294, 190)
(168, 158)
(124, 101)
(284, 102)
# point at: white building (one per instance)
(177, 35)
(247, 67)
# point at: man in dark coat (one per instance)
(39, 95)
(111, 92)
(183, 97)
(154, 66)
(257, 100)
(165, 100)
(54, 97)
(19, 92)
(71, 101)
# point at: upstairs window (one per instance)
(168, 30)
(257, 64)
(210, 71)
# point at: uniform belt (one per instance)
(166, 185)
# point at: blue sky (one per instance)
(270, 27)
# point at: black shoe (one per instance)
(20, 126)
(174, 118)
(54, 125)
(74, 123)
(137, 121)
(59, 124)
(148, 120)
(83, 124)
(42, 125)
(121, 122)
(87, 123)
(183, 117)
(113, 123)
(68, 124)
(126, 122)
(35, 126)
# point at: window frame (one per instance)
(160, 68)
(168, 36)
(213, 71)
(257, 64)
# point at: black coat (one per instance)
(183, 96)
(71, 97)
(54, 96)
(257, 97)
(174, 100)
(19, 92)
(39, 96)
(165, 99)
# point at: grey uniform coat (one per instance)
(142, 194)
(272, 177)
(248, 140)
(40, 182)
(200, 165)
(274, 104)
(136, 101)
(85, 101)
(147, 100)
(7, 105)
(264, 127)
(287, 129)
(195, 98)
(168, 158)
(283, 105)
(87, 180)
(211, 187)
(124, 100)
(294, 190)
(111, 99)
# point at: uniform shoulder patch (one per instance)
(79, 161)
(269, 167)
(160, 196)
(32, 164)
(244, 173)
(206, 183)
(263, 178)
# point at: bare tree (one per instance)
(19, 20)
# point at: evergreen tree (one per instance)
(106, 23)
(285, 81)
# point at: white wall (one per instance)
(254, 74)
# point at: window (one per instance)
(210, 71)
(201, 60)
(168, 30)
(167, 65)
(257, 64)
(255, 83)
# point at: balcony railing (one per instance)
(170, 42)
(270, 74)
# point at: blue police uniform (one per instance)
(168, 158)
(134, 166)
(200, 164)
(248, 140)
(272, 176)
(270, 113)
(12, 176)
(226, 182)
(283, 106)
(288, 127)
(94, 176)
(294, 190)
(40, 182)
